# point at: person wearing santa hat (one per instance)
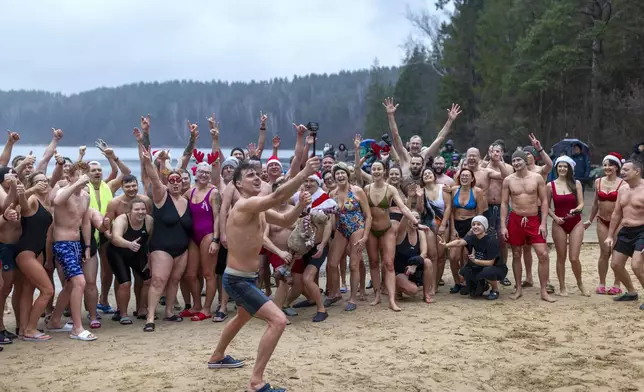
(313, 260)
(606, 191)
(567, 197)
(274, 169)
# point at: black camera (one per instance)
(312, 127)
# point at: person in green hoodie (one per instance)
(447, 153)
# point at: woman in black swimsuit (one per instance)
(169, 245)
(412, 267)
(36, 221)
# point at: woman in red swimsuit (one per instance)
(606, 189)
(567, 197)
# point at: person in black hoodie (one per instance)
(582, 164)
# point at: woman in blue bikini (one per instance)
(352, 227)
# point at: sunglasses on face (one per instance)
(174, 180)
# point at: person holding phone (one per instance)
(567, 197)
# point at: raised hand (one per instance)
(252, 149)
(300, 129)
(310, 139)
(145, 154)
(20, 189)
(163, 155)
(420, 192)
(58, 134)
(30, 158)
(535, 142)
(59, 158)
(194, 130)
(109, 153)
(145, 123)
(101, 145)
(453, 112)
(389, 105)
(12, 137)
(11, 179)
(262, 119)
(83, 179)
(276, 141)
(83, 149)
(137, 135)
(357, 139)
(312, 166)
(213, 125)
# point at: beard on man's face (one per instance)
(438, 170)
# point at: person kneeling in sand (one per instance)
(485, 266)
(411, 265)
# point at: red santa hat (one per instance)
(317, 177)
(273, 159)
(615, 157)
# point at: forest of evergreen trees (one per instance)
(553, 67)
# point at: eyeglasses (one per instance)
(174, 180)
(203, 172)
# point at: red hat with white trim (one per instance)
(273, 159)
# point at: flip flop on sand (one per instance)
(267, 388)
(526, 284)
(85, 336)
(66, 328)
(39, 337)
(227, 363)
(200, 317)
(125, 321)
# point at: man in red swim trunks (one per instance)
(523, 225)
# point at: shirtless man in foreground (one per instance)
(245, 226)
(523, 189)
(439, 172)
(72, 212)
(629, 213)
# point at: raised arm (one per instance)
(123, 170)
(288, 219)
(12, 139)
(158, 189)
(49, 151)
(187, 152)
(58, 170)
(398, 144)
(81, 153)
(442, 135)
(399, 202)
(283, 193)
(262, 134)
(299, 154)
(65, 193)
(9, 197)
(276, 145)
(215, 174)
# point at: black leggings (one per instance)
(122, 260)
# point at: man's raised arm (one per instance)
(442, 135)
(402, 152)
(283, 193)
(64, 194)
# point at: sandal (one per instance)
(187, 313)
(614, 291)
(39, 337)
(550, 289)
(601, 290)
(125, 321)
(267, 388)
(492, 295)
(145, 317)
(85, 336)
(350, 307)
(173, 318)
(227, 363)
(106, 309)
(200, 317)
(8, 334)
(506, 282)
(149, 327)
(627, 297)
(94, 324)
(441, 282)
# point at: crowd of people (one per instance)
(230, 225)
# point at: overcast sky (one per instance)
(77, 45)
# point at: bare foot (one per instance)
(583, 290)
(429, 299)
(517, 294)
(546, 297)
(562, 293)
(376, 300)
(394, 307)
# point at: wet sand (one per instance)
(455, 344)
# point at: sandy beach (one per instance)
(457, 344)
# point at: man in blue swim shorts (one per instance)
(245, 229)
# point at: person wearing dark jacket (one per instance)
(638, 152)
(582, 164)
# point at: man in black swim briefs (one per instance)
(245, 226)
(628, 213)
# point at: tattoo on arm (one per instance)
(146, 140)
(188, 151)
(217, 205)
